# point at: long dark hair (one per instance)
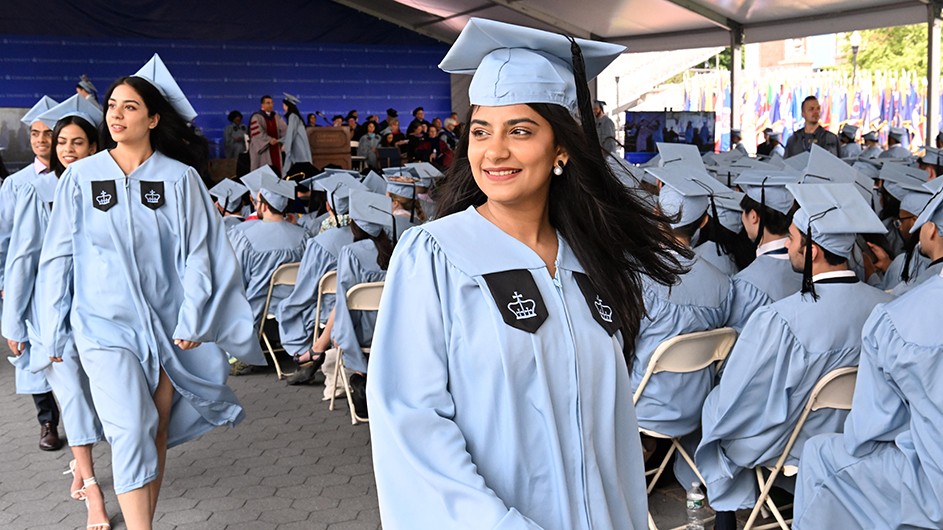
(172, 136)
(618, 238)
(736, 245)
(90, 133)
(292, 109)
(382, 243)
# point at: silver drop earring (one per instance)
(558, 169)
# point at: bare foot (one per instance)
(76, 486)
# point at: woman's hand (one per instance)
(56, 359)
(186, 344)
(883, 261)
(16, 347)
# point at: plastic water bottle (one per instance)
(698, 512)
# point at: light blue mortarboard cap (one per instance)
(909, 177)
(912, 200)
(729, 211)
(897, 133)
(836, 213)
(253, 179)
(74, 106)
(672, 154)
(799, 161)
(825, 167)
(398, 185)
(338, 187)
(228, 193)
(514, 64)
(870, 136)
(869, 167)
(934, 209)
(157, 74)
(277, 192)
(932, 156)
(294, 100)
(372, 212)
(768, 188)
(427, 172)
(849, 131)
(374, 182)
(687, 190)
(45, 103)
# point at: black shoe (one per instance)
(49, 438)
(303, 376)
(358, 394)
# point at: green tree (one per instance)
(894, 48)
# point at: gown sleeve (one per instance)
(214, 307)
(21, 264)
(426, 478)
(54, 279)
(344, 332)
(6, 222)
(880, 411)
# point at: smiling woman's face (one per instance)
(127, 117)
(72, 144)
(512, 152)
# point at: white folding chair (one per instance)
(361, 297)
(326, 285)
(834, 390)
(684, 354)
(285, 274)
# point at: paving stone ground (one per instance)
(292, 464)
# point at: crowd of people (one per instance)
(529, 276)
(280, 141)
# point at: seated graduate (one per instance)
(265, 245)
(253, 181)
(904, 187)
(767, 213)
(886, 469)
(365, 260)
(895, 141)
(927, 227)
(297, 322)
(671, 403)
(723, 242)
(406, 205)
(872, 149)
(786, 347)
(334, 203)
(847, 146)
(229, 196)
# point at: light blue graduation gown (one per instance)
(708, 251)
(898, 151)
(891, 277)
(784, 350)
(28, 216)
(143, 274)
(21, 310)
(932, 270)
(886, 470)
(295, 143)
(261, 248)
(768, 279)
(7, 201)
(476, 423)
(871, 152)
(849, 150)
(671, 403)
(296, 313)
(356, 263)
(230, 221)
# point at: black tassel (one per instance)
(583, 100)
(909, 248)
(715, 228)
(762, 226)
(412, 207)
(808, 286)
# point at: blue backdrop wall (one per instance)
(219, 76)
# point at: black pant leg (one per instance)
(46, 408)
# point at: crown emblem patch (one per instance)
(522, 309)
(602, 313)
(152, 194)
(104, 194)
(518, 299)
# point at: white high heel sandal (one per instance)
(96, 526)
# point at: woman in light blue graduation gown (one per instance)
(886, 469)
(136, 267)
(499, 393)
(295, 142)
(74, 137)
